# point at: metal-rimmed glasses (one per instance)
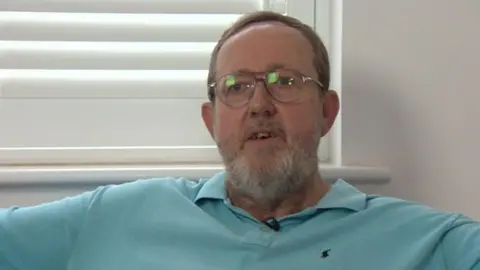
(284, 85)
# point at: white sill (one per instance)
(100, 175)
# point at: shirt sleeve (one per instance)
(41, 237)
(461, 245)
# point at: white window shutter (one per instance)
(109, 81)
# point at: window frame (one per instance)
(178, 157)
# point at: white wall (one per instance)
(411, 97)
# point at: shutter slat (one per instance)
(104, 123)
(133, 6)
(106, 55)
(188, 155)
(113, 27)
(102, 84)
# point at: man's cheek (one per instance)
(225, 133)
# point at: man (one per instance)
(269, 107)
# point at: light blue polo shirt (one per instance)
(177, 224)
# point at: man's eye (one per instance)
(237, 87)
(286, 81)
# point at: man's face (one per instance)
(294, 129)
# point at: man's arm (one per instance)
(461, 245)
(41, 237)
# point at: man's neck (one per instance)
(305, 198)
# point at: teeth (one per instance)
(262, 135)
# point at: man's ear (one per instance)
(330, 109)
(208, 117)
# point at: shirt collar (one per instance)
(214, 188)
(341, 195)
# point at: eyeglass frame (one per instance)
(212, 86)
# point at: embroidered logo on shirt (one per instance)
(325, 253)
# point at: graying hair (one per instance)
(320, 61)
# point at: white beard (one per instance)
(288, 171)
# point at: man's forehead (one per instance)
(264, 46)
(265, 26)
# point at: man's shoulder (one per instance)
(158, 187)
(142, 196)
(423, 228)
(402, 211)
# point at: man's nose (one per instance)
(261, 103)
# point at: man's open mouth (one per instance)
(261, 136)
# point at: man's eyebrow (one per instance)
(274, 66)
(270, 67)
(246, 70)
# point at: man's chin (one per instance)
(261, 162)
(260, 159)
(257, 153)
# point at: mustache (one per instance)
(273, 127)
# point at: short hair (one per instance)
(320, 61)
